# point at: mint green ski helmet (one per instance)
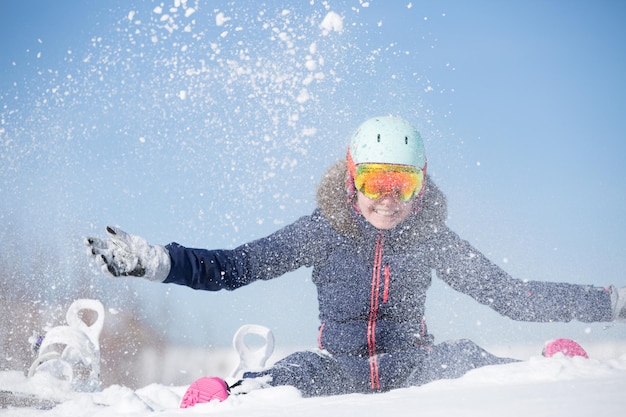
(386, 140)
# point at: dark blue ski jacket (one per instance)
(372, 283)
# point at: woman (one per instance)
(377, 233)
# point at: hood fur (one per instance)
(333, 203)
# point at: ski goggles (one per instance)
(377, 180)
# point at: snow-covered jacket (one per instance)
(372, 283)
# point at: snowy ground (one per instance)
(558, 386)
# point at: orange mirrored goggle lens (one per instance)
(377, 180)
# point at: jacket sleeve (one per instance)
(287, 249)
(468, 271)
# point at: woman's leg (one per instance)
(450, 360)
(313, 373)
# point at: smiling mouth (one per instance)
(386, 213)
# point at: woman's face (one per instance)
(385, 212)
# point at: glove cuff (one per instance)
(159, 264)
(618, 301)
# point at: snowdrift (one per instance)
(557, 386)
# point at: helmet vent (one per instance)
(378, 138)
(406, 140)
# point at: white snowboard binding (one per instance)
(252, 358)
(72, 353)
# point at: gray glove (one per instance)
(618, 299)
(123, 254)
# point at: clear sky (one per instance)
(209, 124)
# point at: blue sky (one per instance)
(211, 127)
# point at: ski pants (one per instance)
(317, 373)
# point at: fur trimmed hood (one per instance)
(335, 207)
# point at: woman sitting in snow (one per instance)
(376, 235)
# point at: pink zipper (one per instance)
(386, 289)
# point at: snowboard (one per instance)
(15, 399)
(250, 358)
